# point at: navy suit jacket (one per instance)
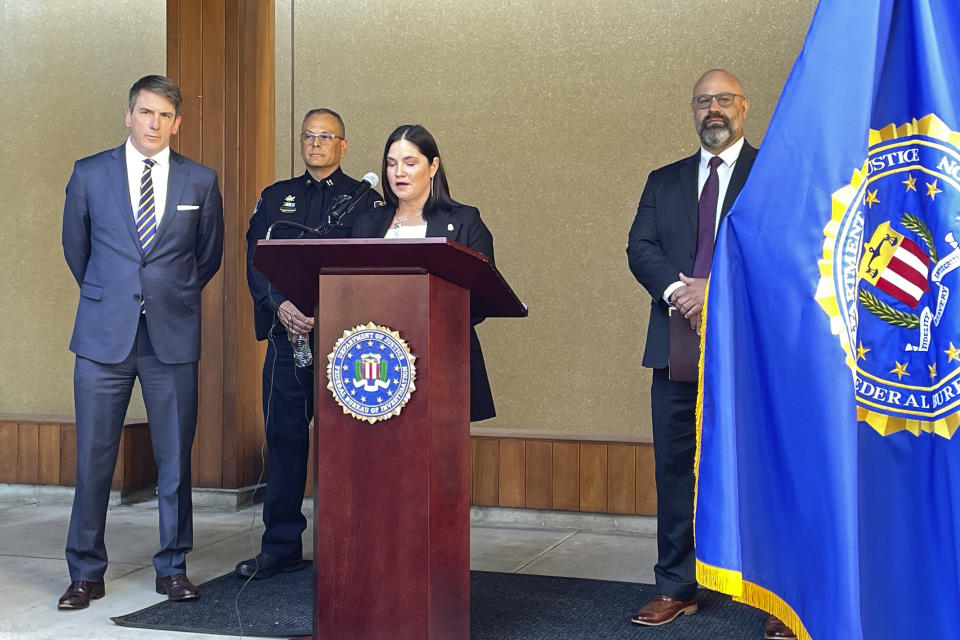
(102, 249)
(463, 225)
(663, 238)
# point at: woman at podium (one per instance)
(418, 205)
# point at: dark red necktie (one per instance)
(707, 221)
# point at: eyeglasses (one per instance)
(704, 100)
(308, 137)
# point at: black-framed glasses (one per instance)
(308, 137)
(724, 99)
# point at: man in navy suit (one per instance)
(142, 235)
(670, 250)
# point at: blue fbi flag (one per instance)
(828, 467)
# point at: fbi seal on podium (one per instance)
(890, 274)
(371, 372)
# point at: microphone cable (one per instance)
(268, 403)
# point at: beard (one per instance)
(715, 135)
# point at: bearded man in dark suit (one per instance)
(670, 250)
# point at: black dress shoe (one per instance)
(265, 565)
(79, 594)
(177, 587)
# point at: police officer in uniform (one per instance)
(288, 389)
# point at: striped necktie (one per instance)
(146, 218)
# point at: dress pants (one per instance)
(101, 396)
(287, 410)
(674, 446)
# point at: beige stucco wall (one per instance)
(65, 69)
(549, 116)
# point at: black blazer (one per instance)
(663, 237)
(463, 225)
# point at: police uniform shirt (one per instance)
(305, 201)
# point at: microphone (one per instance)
(345, 204)
(342, 207)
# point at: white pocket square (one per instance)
(187, 207)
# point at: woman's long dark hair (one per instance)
(439, 197)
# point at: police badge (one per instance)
(371, 372)
(889, 263)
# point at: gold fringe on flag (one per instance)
(696, 455)
(733, 584)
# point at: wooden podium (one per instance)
(392, 499)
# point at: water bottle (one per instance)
(302, 354)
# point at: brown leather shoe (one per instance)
(177, 587)
(776, 630)
(79, 594)
(663, 609)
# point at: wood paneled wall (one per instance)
(43, 451)
(566, 475)
(221, 52)
(535, 473)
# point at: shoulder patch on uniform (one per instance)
(256, 207)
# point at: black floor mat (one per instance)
(503, 606)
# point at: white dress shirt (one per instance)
(724, 171)
(159, 174)
(406, 231)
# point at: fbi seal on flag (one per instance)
(371, 372)
(889, 278)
